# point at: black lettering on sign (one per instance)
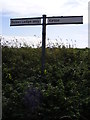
(54, 20)
(35, 21)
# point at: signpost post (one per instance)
(55, 20)
(43, 42)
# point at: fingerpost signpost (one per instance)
(55, 20)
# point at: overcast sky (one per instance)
(36, 8)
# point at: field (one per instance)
(63, 91)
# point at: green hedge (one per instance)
(64, 91)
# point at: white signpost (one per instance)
(25, 21)
(50, 21)
(65, 20)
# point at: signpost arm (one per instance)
(43, 42)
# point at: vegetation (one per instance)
(63, 91)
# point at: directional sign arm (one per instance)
(65, 20)
(25, 21)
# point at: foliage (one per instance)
(63, 90)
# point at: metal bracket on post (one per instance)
(43, 42)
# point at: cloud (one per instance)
(23, 7)
(72, 3)
(49, 7)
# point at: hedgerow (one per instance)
(63, 91)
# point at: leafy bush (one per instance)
(63, 92)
